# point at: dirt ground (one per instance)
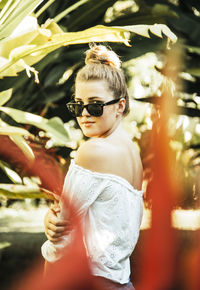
(21, 237)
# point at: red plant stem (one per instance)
(159, 251)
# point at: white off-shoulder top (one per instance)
(111, 213)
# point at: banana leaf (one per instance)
(5, 96)
(18, 191)
(12, 175)
(12, 130)
(23, 145)
(16, 135)
(54, 127)
(13, 12)
(49, 39)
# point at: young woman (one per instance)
(104, 181)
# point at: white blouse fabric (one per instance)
(111, 213)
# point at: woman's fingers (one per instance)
(56, 221)
(55, 207)
(56, 240)
(60, 229)
(53, 237)
(56, 229)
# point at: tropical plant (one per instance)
(23, 45)
(184, 122)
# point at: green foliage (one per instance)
(5, 96)
(54, 126)
(27, 44)
(13, 12)
(16, 191)
(57, 59)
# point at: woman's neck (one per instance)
(115, 130)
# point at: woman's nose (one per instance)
(85, 112)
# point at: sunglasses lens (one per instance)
(78, 109)
(95, 110)
(75, 109)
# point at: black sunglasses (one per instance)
(93, 109)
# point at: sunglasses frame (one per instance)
(88, 107)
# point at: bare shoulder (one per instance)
(93, 155)
(122, 159)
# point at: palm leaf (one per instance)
(12, 130)
(5, 96)
(22, 144)
(13, 13)
(54, 126)
(14, 177)
(16, 135)
(39, 47)
(18, 191)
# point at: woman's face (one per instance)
(96, 91)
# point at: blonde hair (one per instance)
(102, 63)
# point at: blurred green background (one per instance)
(144, 64)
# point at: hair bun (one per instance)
(100, 54)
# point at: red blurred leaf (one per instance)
(45, 164)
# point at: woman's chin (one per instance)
(90, 133)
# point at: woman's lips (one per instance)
(87, 123)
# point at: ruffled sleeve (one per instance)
(83, 187)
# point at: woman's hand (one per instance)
(55, 226)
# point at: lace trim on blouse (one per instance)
(109, 176)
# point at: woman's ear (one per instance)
(121, 106)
